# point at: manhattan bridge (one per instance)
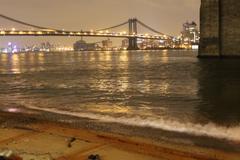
(132, 35)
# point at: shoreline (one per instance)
(152, 50)
(116, 144)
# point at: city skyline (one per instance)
(156, 13)
(119, 79)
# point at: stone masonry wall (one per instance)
(220, 28)
(230, 27)
(209, 28)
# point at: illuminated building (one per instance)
(11, 48)
(107, 44)
(46, 46)
(125, 43)
(190, 35)
(82, 45)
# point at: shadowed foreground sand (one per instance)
(43, 141)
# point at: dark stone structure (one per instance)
(220, 28)
(132, 30)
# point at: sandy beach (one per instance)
(35, 139)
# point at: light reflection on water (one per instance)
(15, 66)
(16, 63)
(162, 84)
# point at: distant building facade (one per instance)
(190, 34)
(82, 45)
(107, 44)
(125, 43)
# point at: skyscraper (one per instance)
(190, 33)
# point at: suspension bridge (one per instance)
(132, 35)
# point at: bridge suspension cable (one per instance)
(150, 28)
(27, 24)
(116, 26)
(131, 23)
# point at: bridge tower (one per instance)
(219, 26)
(132, 31)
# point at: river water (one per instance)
(167, 90)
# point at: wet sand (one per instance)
(37, 139)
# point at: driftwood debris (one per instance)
(70, 141)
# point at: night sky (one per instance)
(166, 16)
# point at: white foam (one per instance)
(210, 129)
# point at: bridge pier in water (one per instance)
(132, 44)
(219, 26)
(132, 41)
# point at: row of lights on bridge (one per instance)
(91, 33)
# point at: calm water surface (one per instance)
(168, 90)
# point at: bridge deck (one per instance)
(76, 33)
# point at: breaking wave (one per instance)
(210, 129)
